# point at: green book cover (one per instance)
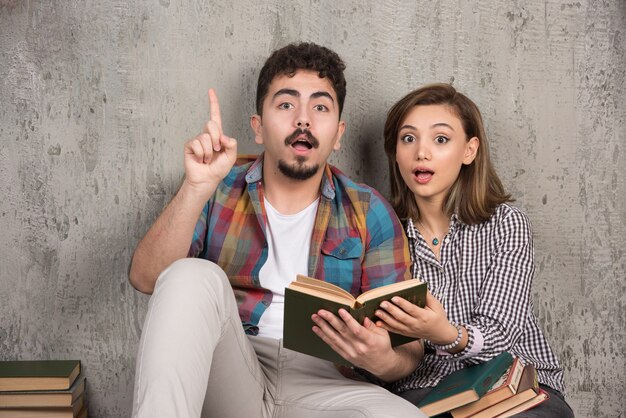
(311, 295)
(465, 385)
(38, 374)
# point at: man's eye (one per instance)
(408, 138)
(320, 108)
(441, 139)
(285, 106)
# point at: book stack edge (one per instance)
(42, 388)
(500, 387)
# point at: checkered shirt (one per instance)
(483, 280)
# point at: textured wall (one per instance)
(97, 98)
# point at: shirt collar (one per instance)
(327, 188)
(411, 231)
(255, 172)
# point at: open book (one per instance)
(305, 296)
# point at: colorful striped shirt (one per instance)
(357, 243)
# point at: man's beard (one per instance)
(298, 170)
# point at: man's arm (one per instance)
(167, 240)
(208, 159)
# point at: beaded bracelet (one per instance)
(454, 343)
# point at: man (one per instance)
(289, 212)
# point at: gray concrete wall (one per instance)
(97, 98)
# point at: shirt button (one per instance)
(446, 240)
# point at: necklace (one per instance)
(435, 240)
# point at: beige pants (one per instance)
(195, 360)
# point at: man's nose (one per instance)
(303, 121)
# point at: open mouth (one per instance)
(302, 140)
(302, 145)
(423, 175)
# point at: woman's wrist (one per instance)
(455, 343)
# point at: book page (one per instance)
(385, 290)
(322, 290)
(323, 286)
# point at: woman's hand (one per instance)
(431, 322)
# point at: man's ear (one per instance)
(257, 126)
(340, 130)
(471, 149)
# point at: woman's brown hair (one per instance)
(478, 190)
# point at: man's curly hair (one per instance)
(302, 56)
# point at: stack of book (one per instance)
(44, 388)
(501, 387)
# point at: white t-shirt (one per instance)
(289, 241)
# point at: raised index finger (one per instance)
(216, 116)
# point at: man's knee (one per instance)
(193, 277)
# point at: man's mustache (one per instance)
(298, 132)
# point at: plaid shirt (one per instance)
(357, 242)
(483, 280)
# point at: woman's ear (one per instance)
(471, 149)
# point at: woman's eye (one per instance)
(441, 139)
(408, 138)
(285, 106)
(320, 108)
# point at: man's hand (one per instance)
(210, 155)
(366, 346)
(208, 159)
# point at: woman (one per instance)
(473, 248)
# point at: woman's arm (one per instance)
(498, 314)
